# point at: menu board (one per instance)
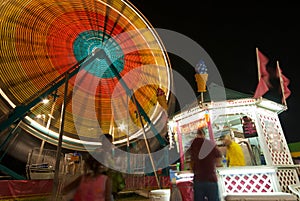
(249, 128)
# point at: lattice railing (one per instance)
(276, 145)
(295, 189)
(287, 177)
(248, 180)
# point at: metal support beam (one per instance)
(102, 55)
(11, 173)
(56, 182)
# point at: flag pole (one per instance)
(258, 68)
(258, 64)
(202, 99)
(281, 84)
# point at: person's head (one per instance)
(226, 139)
(200, 132)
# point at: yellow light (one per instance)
(122, 127)
(45, 101)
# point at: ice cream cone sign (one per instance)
(161, 98)
(201, 76)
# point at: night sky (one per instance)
(230, 35)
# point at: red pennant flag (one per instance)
(262, 62)
(284, 82)
(261, 89)
(264, 83)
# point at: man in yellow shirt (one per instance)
(234, 153)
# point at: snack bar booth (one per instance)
(254, 124)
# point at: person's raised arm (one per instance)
(218, 157)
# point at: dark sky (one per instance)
(230, 35)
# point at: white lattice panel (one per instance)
(276, 145)
(248, 180)
(295, 189)
(248, 183)
(287, 177)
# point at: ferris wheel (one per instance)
(100, 60)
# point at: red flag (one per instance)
(284, 82)
(262, 63)
(264, 83)
(261, 89)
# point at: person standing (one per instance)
(117, 178)
(205, 157)
(234, 152)
(94, 184)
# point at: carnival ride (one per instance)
(99, 63)
(101, 66)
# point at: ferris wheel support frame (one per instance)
(141, 111)
(19, 112)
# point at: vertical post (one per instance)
(281, 83)
(55, 191)
(202, 99)
(181, 153)
(209, 126)
(47, 127)
(127, 143)
(258, 64)
(146, 142)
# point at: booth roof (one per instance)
(234, 95)
(229, 93)
(219, 93)
(216, 93)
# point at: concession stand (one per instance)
(255, 125)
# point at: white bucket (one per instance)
(160, 195)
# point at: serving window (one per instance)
(243, 130)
